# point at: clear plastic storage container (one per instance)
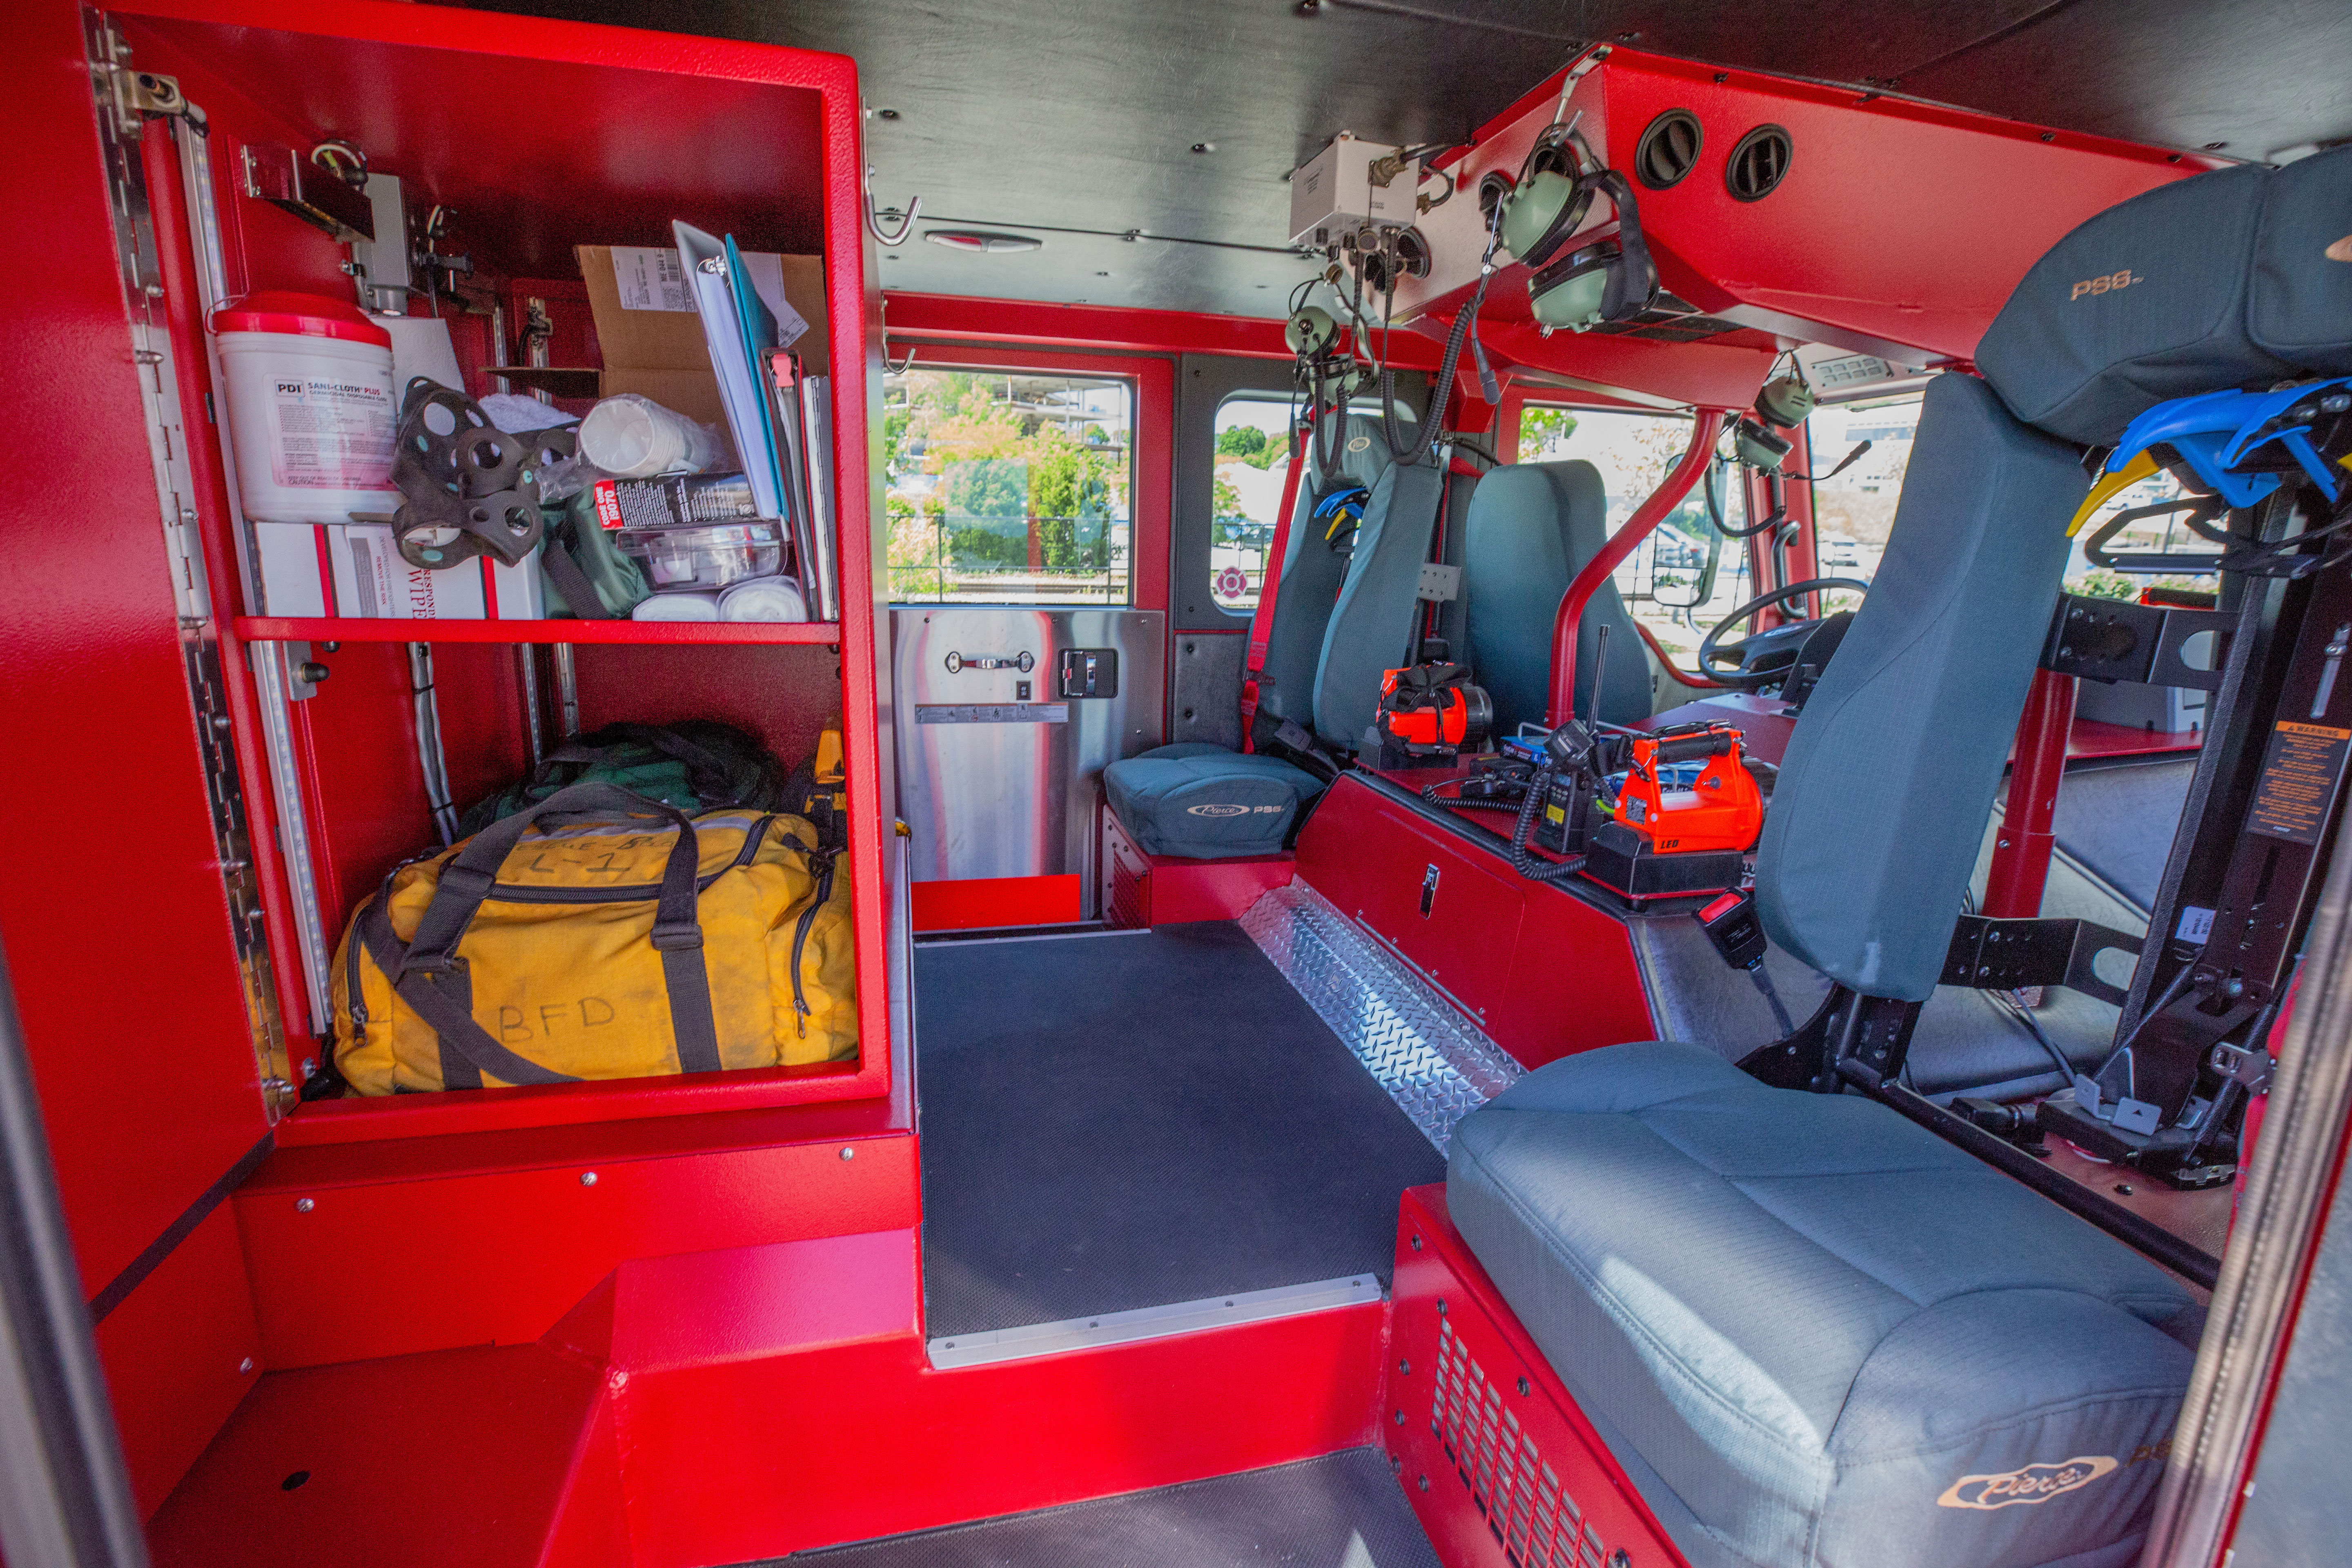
(706, 558)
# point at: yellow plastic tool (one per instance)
(2110, 486)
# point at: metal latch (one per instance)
(1023, 661)
(2239, 1065)
(1428, 890)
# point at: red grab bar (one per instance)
(1705, 427)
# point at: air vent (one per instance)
(1668, 149)
(1758, 164)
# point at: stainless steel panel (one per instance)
(999, 775)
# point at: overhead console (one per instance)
(1883, 235)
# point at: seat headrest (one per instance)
(1364, 454)
(2224, 279)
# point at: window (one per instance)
(1252, 459)
(1009, 487)
(1853, 510)
(1666, 583)
(1252, 469)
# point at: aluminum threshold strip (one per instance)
(1433, 1062)
(1151, 1322)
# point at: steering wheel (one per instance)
(1768, 658)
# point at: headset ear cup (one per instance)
(1573, 202)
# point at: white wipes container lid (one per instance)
(689, 607)
(763, 599)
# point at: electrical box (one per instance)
(1338, 191)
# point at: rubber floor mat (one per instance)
(1342, 1510)
(1135, 1118)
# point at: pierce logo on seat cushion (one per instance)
(1221, 808)
(2033, 1483)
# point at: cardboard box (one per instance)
(651, 339)
(355, 571)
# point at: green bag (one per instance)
(695, 767)
(586, 577)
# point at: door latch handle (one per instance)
(1023, 661)
(1428, 890)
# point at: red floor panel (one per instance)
(460, 1457)
(751, 1459)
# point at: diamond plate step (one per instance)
(1431, 1061)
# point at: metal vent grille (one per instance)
(1668, 149)
(1673, 320)
(1758, 163)
(1126, 893)
(1537, 1522)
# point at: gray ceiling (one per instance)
(1080, 115)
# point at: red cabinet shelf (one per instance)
(264, 628)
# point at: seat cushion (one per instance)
(1834, 1338)
(1202, 801)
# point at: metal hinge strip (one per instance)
(126, 99)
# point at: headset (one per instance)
(1537, 213)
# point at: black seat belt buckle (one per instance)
(1732, 924)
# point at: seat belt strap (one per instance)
(1269, 585)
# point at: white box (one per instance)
(1332, 194)
(355, 571)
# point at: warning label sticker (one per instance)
(2305, 764)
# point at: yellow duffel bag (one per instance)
(600, 934)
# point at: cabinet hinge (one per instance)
(127, 99)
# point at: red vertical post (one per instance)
(1706, 424)
(2020, 855)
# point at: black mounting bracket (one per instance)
(2118, 640)
(1989, 954)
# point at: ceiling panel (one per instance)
(1082, 115)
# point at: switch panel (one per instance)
(1089, 672)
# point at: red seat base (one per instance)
(1140, 888)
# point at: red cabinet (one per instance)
(1541, 971)
(192, 823)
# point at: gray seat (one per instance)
(1314, 565)
(1532, 527)
(1372, 627)
(1815, 1332)
(1202, 801)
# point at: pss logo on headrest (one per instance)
(2105, 284)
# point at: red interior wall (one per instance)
(781, 694)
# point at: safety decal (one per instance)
(2033, 1483)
